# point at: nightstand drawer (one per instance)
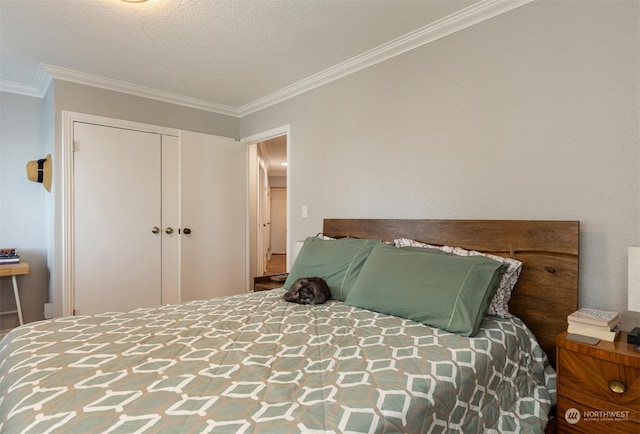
(595, 378)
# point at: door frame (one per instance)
(284, 130)
(68, 213)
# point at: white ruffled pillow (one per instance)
(499, 305)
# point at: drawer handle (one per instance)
(617, 386)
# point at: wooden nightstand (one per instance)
(598, 386)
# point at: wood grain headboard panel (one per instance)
(547, 290)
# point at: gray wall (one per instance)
(530, 115)
(23, 204)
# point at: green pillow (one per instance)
(449, 292)
(338, 262)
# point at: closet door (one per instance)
(212, 216)
(117, 199)
(170, 219)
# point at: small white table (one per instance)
(14, 270)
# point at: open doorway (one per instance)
(268, 203)
(273, 205)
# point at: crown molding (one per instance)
(474, 14)
(64, 74)
(38, 90)
(47, 73)
(19, 88)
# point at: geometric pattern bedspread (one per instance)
(255, 363)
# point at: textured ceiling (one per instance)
(229, 52)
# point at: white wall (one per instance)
(530, 115)
(23, 204)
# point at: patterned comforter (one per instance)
(255, 363)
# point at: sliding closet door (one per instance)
(117, 199)
(212, 216)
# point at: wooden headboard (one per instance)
(547, 290)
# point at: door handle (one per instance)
(169, 230)
(186, 231)
(155, 230)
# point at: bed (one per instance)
(256, 363)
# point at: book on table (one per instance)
(595, 323)
(605, 335)
(594, 317)
(9, 255)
